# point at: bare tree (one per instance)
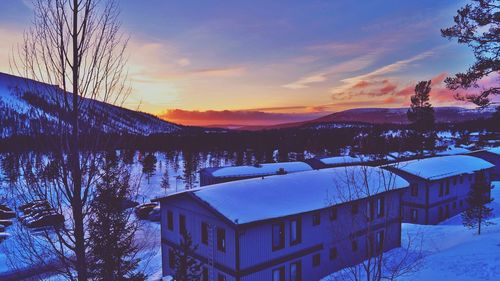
(76, 48)
(367, 203)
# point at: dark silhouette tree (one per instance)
(421, 116)
(477, 213)
(112, 254)
(149, 165)
(186, 268)
(477, 25)
(165, 180)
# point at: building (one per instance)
(300, 226)
(439, 186)
(226, 174)
(491, 155)
(342, 161)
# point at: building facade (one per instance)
(439, 186)
(284, 227)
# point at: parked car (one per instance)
(4, 235)
(4, 207)
(127, 204)
(41, 206)
(7, 214)
(51, 219)
(142, 211)
(5, 222)
(155, 214)
(30, 204)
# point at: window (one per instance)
(204, 233)
(380, 240)
(461, 179)
(455, 181)
(316, 218)
(296, 271)
(278, 236)
(447, 211)
(369, 210)
(316, 259)
(454, 204)
(221, 277)
(221, 240)
(354, 245)
(170, 220)
(354, 209)
(470, 177)
(182, 223)
(171, 258)
(279, 274)
(441, 187)
(295, 231)
(414, 190)
(333, 253)
(333, 213)
(447, 189)
(380, 207)
(204, 274)
(414, 215)
(440, 213)
(461, 203)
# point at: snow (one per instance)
(339, 160)
(453, 150)
(261, 170)
(495, 150)
(283, 195)
(435, 168)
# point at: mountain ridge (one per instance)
(29, 107)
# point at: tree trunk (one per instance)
(77, 204)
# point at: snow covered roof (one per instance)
(453, 150)
(259, 199)
(442, 167)
(261, 170)
(339, 160)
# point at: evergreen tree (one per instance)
(111, 233)
(186, 268)
(477, 213)
(165, 180)
(421, 116)
(149, 165)
(477, 25)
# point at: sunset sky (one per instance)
(267, 62)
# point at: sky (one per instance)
(269, 62)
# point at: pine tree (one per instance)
(477, 25)
(112, 249)
(149, 165)
(186, 268)
(477, 213)
(165, 180)
(421, 115)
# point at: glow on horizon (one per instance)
(266, 63)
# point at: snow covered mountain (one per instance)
(28, 107)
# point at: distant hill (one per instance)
(382, 116)
(28, 107)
